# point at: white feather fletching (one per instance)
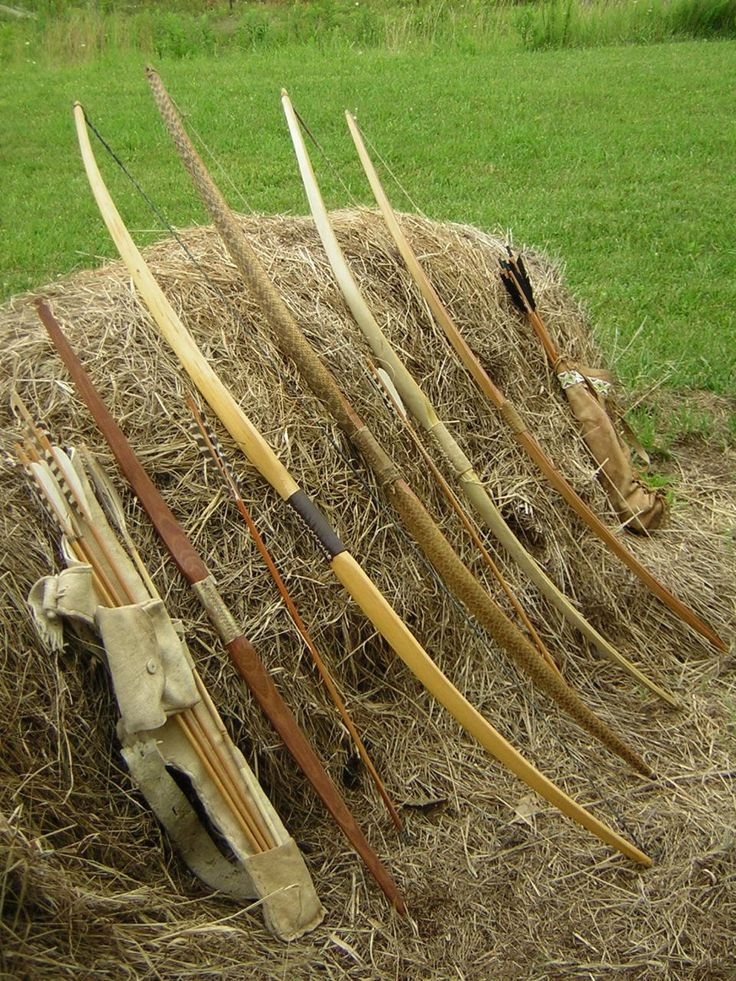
(47, 484)
(392, 392)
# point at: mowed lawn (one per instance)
(617, 161)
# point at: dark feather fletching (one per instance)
(516, 280)
(509, 281)
(524, 282)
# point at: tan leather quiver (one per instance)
(640, 508)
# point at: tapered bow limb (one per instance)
(346, 569)
(423, 411)
(516, 280)
(294, 345)
(239, 648)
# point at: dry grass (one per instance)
(89, 885)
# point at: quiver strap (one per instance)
(638, 507)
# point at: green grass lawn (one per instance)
(616, 160)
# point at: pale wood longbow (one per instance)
(359, 586)
(508, 410)
(424, 412)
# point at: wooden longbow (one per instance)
(359, 586)
(241, 651)
(509, 412)
(424, 412)
(294, 346)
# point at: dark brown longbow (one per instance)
(241, 651)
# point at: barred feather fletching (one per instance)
(51, 494)
(68, 480)
(211, 447)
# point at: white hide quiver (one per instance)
(162, 703)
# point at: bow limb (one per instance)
(423, 411)
(370, 600)
(518, 427)
(294, 346)
(473, 722)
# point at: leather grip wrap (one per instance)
(222, 619)
(512, 417)
(317, 524)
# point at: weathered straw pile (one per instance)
(497, 885)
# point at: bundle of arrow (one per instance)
(483, 859)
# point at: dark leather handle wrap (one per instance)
(317, 524)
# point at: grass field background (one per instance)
(616, 160)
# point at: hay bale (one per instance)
(496, 888)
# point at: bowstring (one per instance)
(237, 191)
(325, 156)
(336, 172)
(284, 372)
(384, 163)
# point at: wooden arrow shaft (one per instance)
(113, 589)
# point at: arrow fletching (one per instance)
(516, 280)
(48, 488)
